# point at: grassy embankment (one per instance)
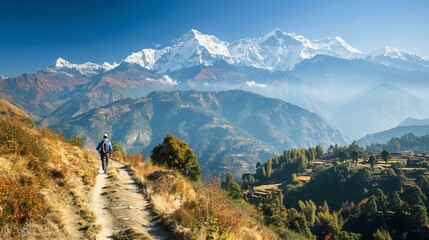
(44, 182)
(195, 210)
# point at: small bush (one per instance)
(14, 139)
(77, 141)
(19, 203)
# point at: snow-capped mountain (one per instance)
(192, 49)
(278, 50)
(88, 68)
(395, 58)
(2, 77)
(275, 51)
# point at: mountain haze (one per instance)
(378, 109)
(384, 136)
(414, 122)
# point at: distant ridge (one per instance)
(383, 137)
(414, 122)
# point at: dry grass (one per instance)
(44, 185)
(131, 234)
(197, 210)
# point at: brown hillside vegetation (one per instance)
(195, 210)
(44, 184)
(8, 110)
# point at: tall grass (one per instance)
(196, 210)
(40, 176)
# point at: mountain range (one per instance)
(276, 51)
(354, 92)
(230, 130)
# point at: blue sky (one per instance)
(35, 33)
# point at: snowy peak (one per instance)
(279, 50)
(335, 47)
(61, 63)
(211, 43)
(391, 52)
(87, 69)
(346, 45)
(2, 77)
(192, 49)
(146, 58)
(395, 58)
(275, 51)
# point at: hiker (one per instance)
(104, 148)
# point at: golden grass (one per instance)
(131, 234)
(8, 110)
(49, 179)
(197, 210)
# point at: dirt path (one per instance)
(121, 209)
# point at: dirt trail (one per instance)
(120, 207)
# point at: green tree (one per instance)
(414, 196)
(355, 156)
(233, 188)
(417, 217)
(319, 151)
(302, 162)
(385, 155)
(298, 223)
(372, 161)
(308, 208)
(422, 182)
(247, 181)
(342, 155)
(311, 154)
(273, 211)
(264, 172)
(395, 203)
(176, 154)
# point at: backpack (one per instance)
(104, 147)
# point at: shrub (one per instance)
(176, 154)
(77, 141)
(14, 139)
(19, 203)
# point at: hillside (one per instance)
(8, 110)
(345, 193)
(230, 130)
(384, 136)
(44, 183)
(41, 93)
(51, 189)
